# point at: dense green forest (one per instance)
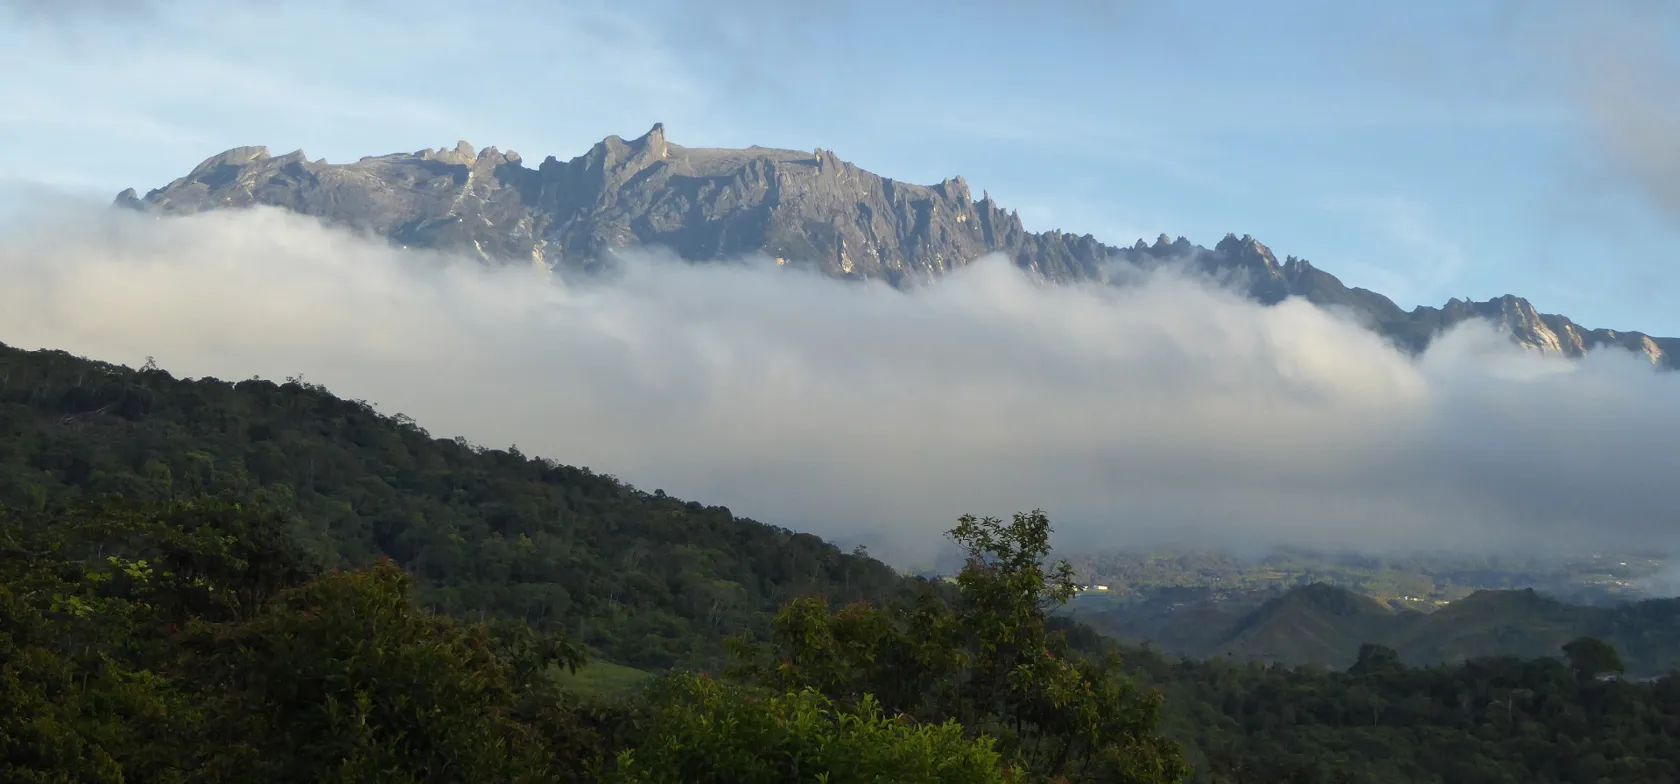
(1501, 719)
(199, 640)
(643, 578)
(206, 581)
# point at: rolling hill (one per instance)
(1325, 625)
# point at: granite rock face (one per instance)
(801, 208)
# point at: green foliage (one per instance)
(1374, 659)
(1590, 657)
(702, 730)
(1495, 721)
(987, 660)
(345, 679)
(67, 717)
(92, 604)
(191, 641)
(186, 641)
(604, 679)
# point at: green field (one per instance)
(602, 679)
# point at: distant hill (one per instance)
(1313, 623)
(808, 209)
(1322, 624)
(1486, 623)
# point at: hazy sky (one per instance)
(1426, 149)
(1167, 412)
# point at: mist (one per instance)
(1166, 412)
(1624, 92)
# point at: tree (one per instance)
(985, 658)
(94, 684)
(1375, 659)
(701, 731)
(345, 679)
(184, 641)
(1591, 657)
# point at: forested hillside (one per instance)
(1500, 720)
(195, 640)
(644, 578)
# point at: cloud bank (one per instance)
(1165, 412)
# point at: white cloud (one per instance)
(1165, 412)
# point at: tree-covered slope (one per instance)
(1499, 720)
(644, 578)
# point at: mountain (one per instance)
(801, 208)
(1325, 625)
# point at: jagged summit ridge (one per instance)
(802, 208)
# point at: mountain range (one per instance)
(1325, 625)
(804, 209)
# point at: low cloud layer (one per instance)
(1168, 412)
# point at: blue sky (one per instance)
(1443, 148)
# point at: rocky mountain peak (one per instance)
(955, 189)
(1247, 254)
(461, 155)
(1247, 246)
(615, 160)
(654, 141)
(801, 208)
(238, 156)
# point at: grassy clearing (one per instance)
(603, 678)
